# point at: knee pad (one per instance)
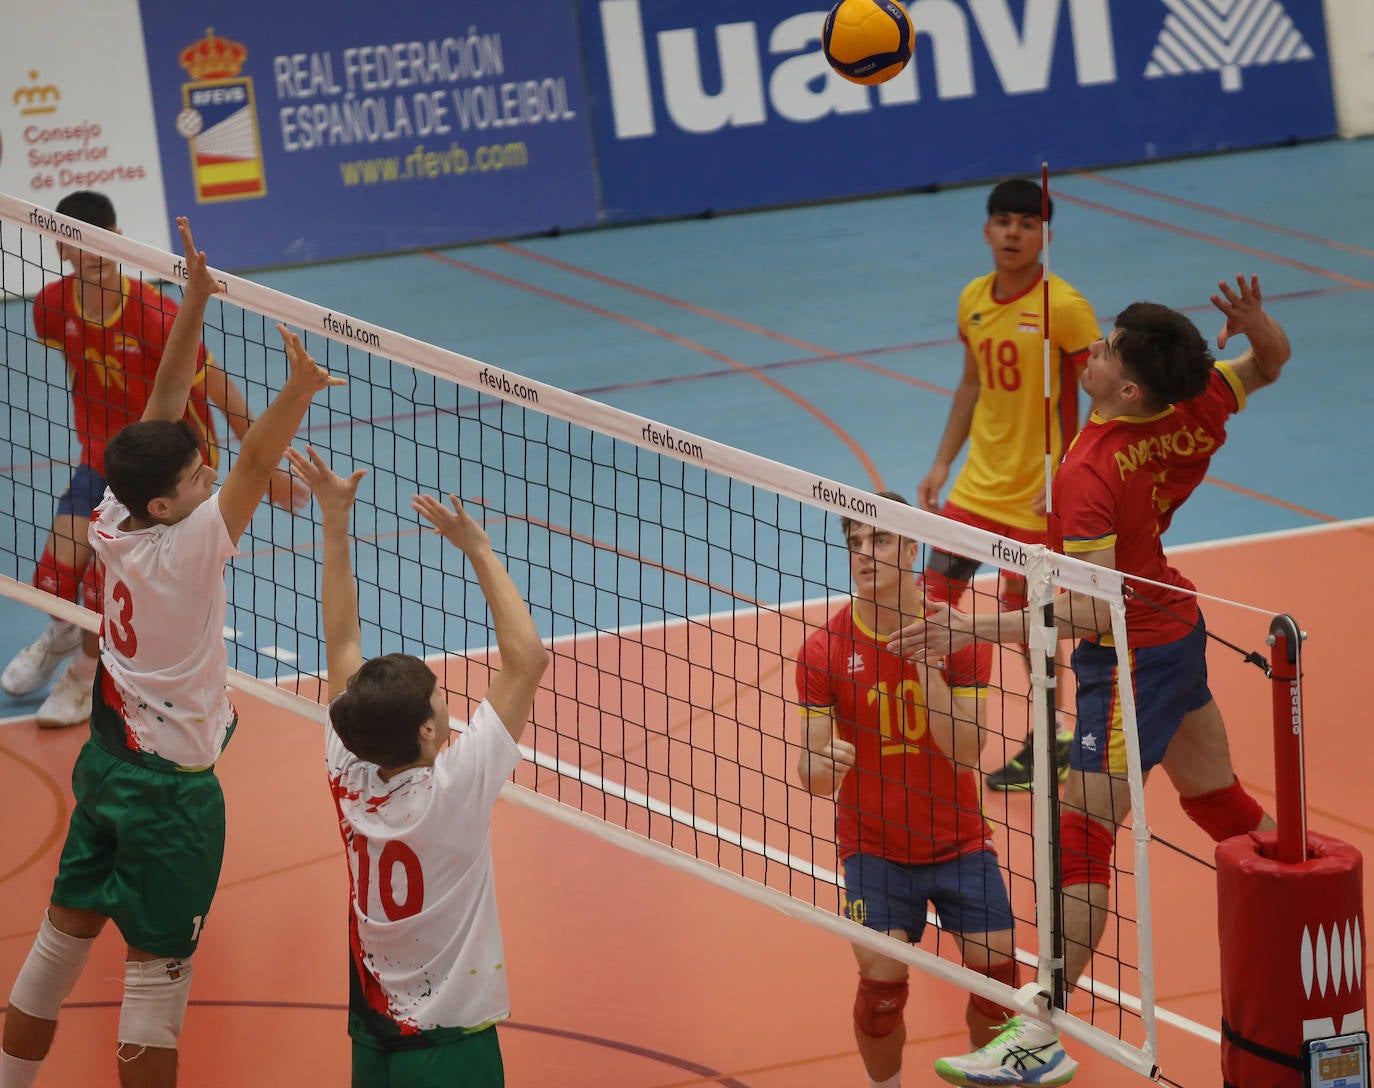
(1224, 813)
(53, 965)
(1007, 972)
(878, 1006)
(56, 578)
(93, 586)
(155, 997)
(1085, 850)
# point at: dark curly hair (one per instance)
(1163, 351)
(379, 714)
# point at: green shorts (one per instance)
(468, 1061)
(144, 848)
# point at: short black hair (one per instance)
(847, 523)
(1163, 351)
(378, 716)
(144, 460)
(90, 207)
(1017, 196)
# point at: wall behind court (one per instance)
(312, 130)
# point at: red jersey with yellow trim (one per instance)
(903, 799)
(1005, 470)
(1123, 479)
(111, 364)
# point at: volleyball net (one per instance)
(674, 577)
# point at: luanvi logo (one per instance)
(1224, 36)
(779, 70)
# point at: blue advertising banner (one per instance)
(311, 130)
(710, 104)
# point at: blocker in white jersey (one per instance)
(162, 654)
(419, 858)
(146, 835)
(428, 981)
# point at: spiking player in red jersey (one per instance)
(1160, 410)
(113, 331)
(428, 982)
(146, 836)
(900, 742)
(999, 407)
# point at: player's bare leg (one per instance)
(1106, 799)
(30, 1037)
(881, 1053)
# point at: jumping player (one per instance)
(999, 408)
(146, 836)
(427, 984)
(1160, 409)
(113, 332)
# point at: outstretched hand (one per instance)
(199, 280)
(937, 634)
(456, 525)
(305, 374)
(334, 493)
(1243, 308)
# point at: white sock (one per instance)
(17, 1072)
(894, 1081)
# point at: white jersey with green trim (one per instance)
(162, 640)
(423, 928)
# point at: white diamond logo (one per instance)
(1224, 36)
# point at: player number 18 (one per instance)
(1004, 373)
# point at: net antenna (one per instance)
(1043, 648)
(675, 577)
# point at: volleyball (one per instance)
(867, 41)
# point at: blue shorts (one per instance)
(81, 499)
(968, 894)
(1169, 681)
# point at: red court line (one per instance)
(1212, 239)
(874, 475)
(1223, 213)
(702, 311)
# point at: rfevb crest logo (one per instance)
(1224, 36)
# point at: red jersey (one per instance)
(903, 799)
(111, 365)
(1120, 484)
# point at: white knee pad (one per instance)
(155, 996)
(54, 964)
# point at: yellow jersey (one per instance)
(1005, 470)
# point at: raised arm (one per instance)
(956, 434)
(1245, 316)
(270, 434)
(343, 637)
(177, 370)
(523, 656)
(283, 490)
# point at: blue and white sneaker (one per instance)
(1026, 1052)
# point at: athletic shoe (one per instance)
(34, 665)
(69, 702)
(1020, 768)
(1026, 1052)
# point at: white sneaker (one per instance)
(69, 702)
(1026, 1052)
(34, 665)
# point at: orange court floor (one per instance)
(628, 974)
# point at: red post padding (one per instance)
(1292, 954)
